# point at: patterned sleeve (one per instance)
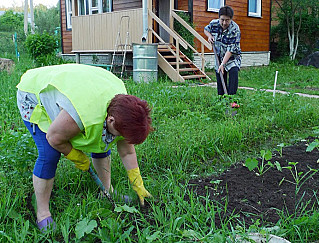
(234, 41)
(212, 27)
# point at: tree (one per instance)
(46, 19)
(10, 21)
(293, 11)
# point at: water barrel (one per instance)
(145, 62)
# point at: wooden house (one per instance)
(92, 26)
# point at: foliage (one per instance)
(299, 177)
(84, 227)
(313, 145)
(298, 21)
(192, 137)
(252, 164)
(40, 45)
(11, 21)
(291, 78)
(182, 31)
(46, 19)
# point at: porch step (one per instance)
(181, 63)
(166, 49)
(188, 69)
(170, 57)
(167, 62)
(194, 76)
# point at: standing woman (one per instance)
(71, 109)
(225, 34)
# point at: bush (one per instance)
(11, 21)
(39, 45)
(308, 35)
(182, 31)
(46, 20)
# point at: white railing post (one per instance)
(203, 57)
(177, 57)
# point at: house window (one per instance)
(68, 14)
(254, 8)
(86, 7)
(94, 6)
(107, 6)
(215, 5)
(83, 7)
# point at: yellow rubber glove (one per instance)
(135, 178)
(80, 160)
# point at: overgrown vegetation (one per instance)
(186, 35)
(193, 137)
(41, 47)
(296, 34)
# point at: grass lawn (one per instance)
(193, 138)
(291, 78)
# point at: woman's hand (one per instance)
(211, 39)
(128, 156)
(221, 68)
(135, 178)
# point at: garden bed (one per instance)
(270, 197)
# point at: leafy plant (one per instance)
(251, 164)
(182, 31)
(39, 45)
(85, 226)
(11, 21)
(314, 144)
(281, 145)
(299, 176)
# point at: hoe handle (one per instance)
(101, 186)
(220, 74)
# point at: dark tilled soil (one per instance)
(255, 197)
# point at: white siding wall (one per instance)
(248, 59)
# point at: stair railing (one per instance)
(178, 40)
(196, 35)
(162, 41)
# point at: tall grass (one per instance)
(291, 78)
(193, 137)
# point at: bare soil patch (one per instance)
(263, 197)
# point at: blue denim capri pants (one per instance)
(48, 157)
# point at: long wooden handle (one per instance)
(220, 74)
(101, 186)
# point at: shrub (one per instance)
(11, 21)
(39, 45)
(182, 31)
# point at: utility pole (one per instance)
(32, 16)
(26, 10)
(26, 17)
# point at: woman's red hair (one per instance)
(132, 117)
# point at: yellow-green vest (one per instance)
(90, 90)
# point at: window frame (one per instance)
(68, 13)
(256, 14)
(87, 8)
(85, 2)
(222, 4)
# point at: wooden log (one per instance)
(6, 65)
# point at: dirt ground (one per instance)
(255, 197)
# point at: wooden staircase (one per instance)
(186, 70)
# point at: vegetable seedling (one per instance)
(252, 164)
